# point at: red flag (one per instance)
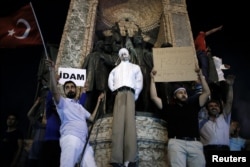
(19, 29)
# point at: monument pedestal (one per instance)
(152, 140)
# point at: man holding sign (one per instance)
(73, 129)
(184, 146)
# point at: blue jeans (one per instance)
(203, 63)
(184, 153)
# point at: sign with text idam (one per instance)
(78, 76)
(174, 64)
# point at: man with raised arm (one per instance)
(201, 49)
(214, 131)
(184, 146)
(73, 129)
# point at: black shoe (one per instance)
(132, 164)
(116, 165)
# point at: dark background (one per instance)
(19, 67)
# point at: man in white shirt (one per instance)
(73, 129)
(214, 131)
(126, 81)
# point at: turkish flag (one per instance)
(19, 29)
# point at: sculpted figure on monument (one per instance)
(145, 60)
(98, 65)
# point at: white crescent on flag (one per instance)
(26, 32)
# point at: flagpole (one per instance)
(44, 46)
(38, 26)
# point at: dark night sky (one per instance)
(19, 67)
(231, 44)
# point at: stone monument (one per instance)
(160, 21)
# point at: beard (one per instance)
(213, 112)
(71, 95)
(182, 99)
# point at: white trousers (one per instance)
(72, 148)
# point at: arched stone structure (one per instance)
(160, 20)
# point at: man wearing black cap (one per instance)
(184, 146)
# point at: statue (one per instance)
(145, 60)
(98, 65)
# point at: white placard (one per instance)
(78, 76)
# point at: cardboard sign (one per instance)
(78, 76)
(174, 64)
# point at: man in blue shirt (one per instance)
(50, 153)
(236, 142)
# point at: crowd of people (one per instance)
(198, 122)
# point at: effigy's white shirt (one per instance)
(126, 74)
